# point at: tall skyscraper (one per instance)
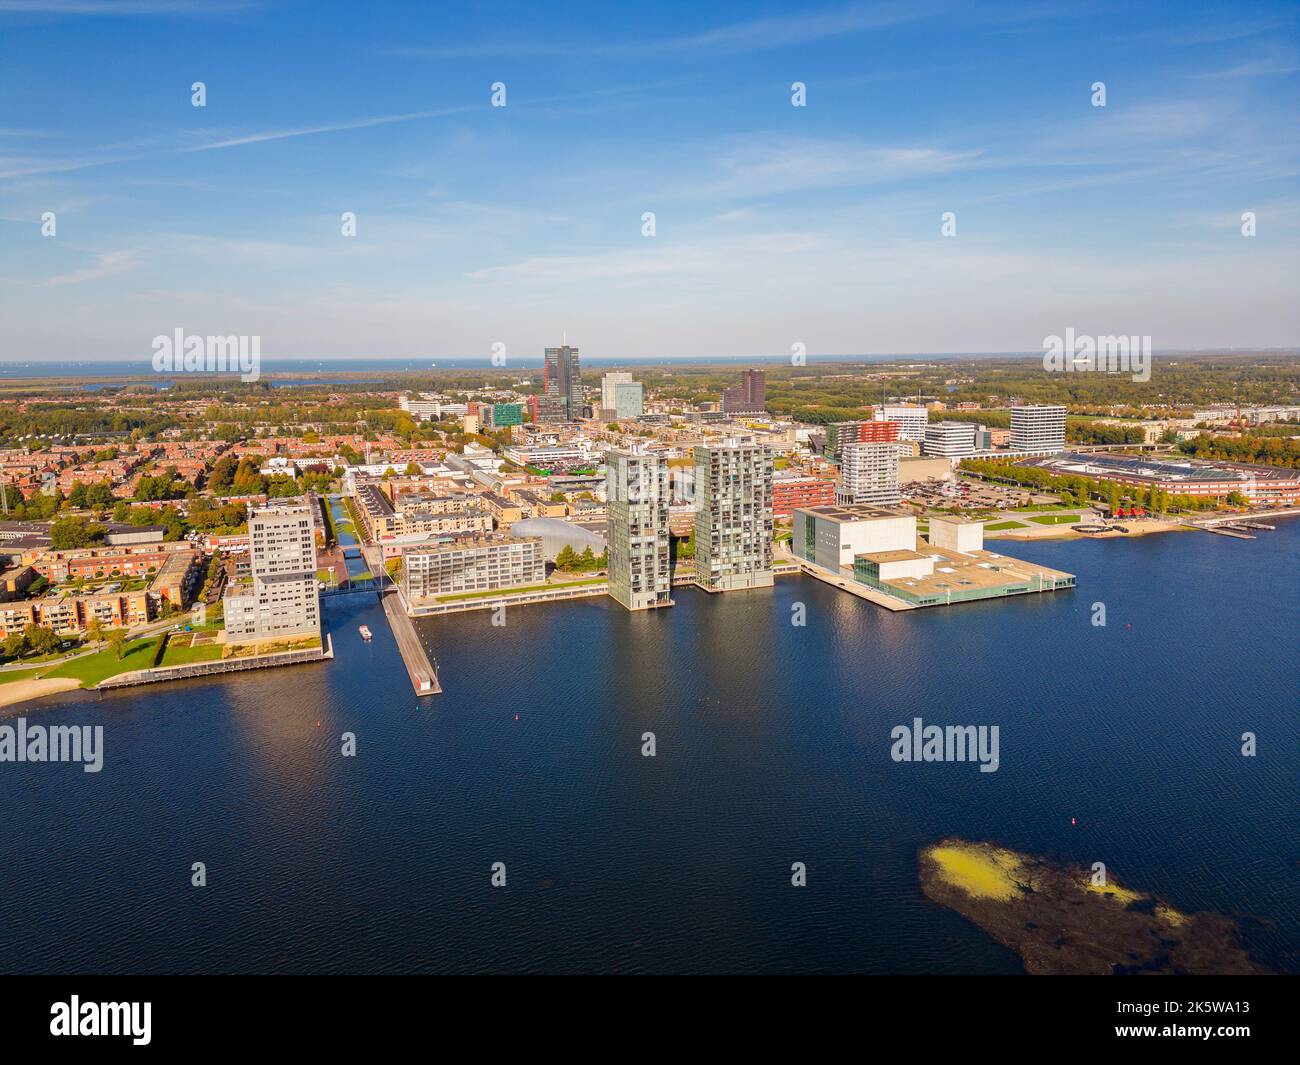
(636, 507)
(280, 598)
(749, 397)
(1038, 428)
(733, 515)
(869, 474)
(562, 377)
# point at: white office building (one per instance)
(911, 420)
(869, 474)
(1038, 428)
(428, 409)
(949, 439)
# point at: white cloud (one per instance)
(107, 264)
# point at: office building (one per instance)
(620, 396)
(869, 473)
(562, 378)
(949, 439)
(733, 516)
(911, 420)
(749, 397)
(428, 409)
(637, 499)
(838, 434)
(280, 597)
(1038, 428)
(503, 415)
(546, 409)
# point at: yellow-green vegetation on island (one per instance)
(1059, 921)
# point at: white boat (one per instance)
(365, 632)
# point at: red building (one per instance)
(791, 493)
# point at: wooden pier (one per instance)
(424, 677)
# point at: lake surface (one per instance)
(772, 747)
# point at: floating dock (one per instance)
(424, 677)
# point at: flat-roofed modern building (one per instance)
(841, 434)
(830, 537)
(911, 420)
(869, 474)
(963, 535)
(636, 509)
(281, 596)
(620, 396)
(1269, 485)
(950, 439)
(749, 397)
(791, 493)
(1038, 428)
(479, 564)
(733, 516)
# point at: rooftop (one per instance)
(855, 512)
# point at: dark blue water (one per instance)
(55, 368)
(773, 748)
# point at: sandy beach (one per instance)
(20, 691)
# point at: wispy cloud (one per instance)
(107, 264)
(758, 35)
(768, 167)
(334, 127)
(1259, 67)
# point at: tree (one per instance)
(95, 631)
(99, 494)
(564, 560)
(74, 532)
(118, 643)
(223, 473)
(15, 645)
(40, 639)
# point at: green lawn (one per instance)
(1055, 519)
(179, 653)
(527, 588)
(1005, 525)
(11, 675)
(94, 668)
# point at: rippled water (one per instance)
(773, 747)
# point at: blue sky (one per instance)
(775, 225)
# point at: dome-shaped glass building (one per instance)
(556, 534)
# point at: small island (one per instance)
(1059, 922)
